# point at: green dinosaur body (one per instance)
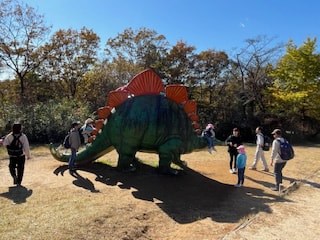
(152, 123)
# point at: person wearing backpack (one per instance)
(276, 159)
(18, 148)
(259, 151)
(75, 143)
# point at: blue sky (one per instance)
(205, 24)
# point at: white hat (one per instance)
(89, 120)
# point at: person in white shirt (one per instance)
(259, 152)
(18, 148)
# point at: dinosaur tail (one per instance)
(100, 146)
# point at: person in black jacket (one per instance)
(233, 141)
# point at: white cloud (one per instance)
(242, 25)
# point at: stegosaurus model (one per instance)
(144, 116)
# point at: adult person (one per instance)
(259, 152)
(233, 141)
(276, 160)
(75, 143)
(18, 148)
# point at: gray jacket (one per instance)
(74, 139)
(275, 153)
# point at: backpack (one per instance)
(266, 143)
(66, 143)
(81, 135)
(15, 148)
(286, 150)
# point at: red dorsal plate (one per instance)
(98, 124)
(198, 131)
(147, 82)
(177, 93)
(104, 112)
(196, 125)
(115, 98)
(190, 107)
(194, 117)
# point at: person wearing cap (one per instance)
(276, 160)
(75, 143)
(241, 165)
(259, 152)
(86, 130)
(18, 148)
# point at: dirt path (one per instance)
(99, 202)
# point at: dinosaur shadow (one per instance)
(80, 181)
(188, 197)
(18, 194)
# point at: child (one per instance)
(210, 135)
(87, 129)
(241, 165)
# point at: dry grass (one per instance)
(105, 204)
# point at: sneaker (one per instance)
(231, 171)
(214, 149)
(252, 168)
(265, 170)
(210, 150)
(276, 188)
(237, 185)
(234, 170)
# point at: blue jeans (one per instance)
(72, 157)
(241, 175)
(278, 172)
(210, 141)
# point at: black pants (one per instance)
(16, 167)
(233, 158)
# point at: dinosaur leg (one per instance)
(168, 153)
(126, 158)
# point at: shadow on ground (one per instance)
(18, 194)
(185, 198)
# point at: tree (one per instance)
(179, 65)
(296, 88)
(72, 54)
(250, 69)
(144, 48)
(209, 67)
(22, 33)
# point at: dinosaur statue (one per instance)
(144, 116)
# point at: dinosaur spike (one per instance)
(194, 117)
(198, 131)
(195, 125)
(115, 98)
(177, 93)
(190, 107)
(104, 112)
(145, 83)
(99, 124)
